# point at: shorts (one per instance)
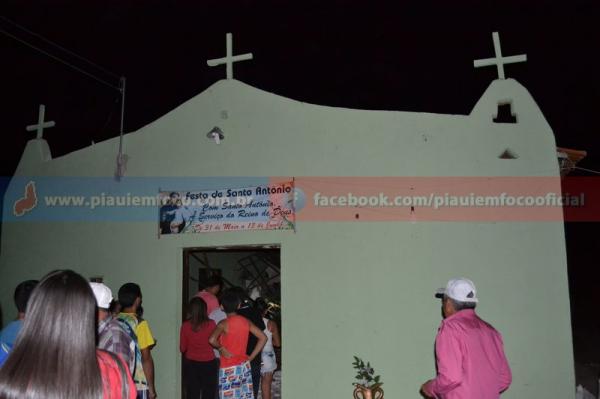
(269, 362)
(235, 382)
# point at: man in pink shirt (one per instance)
(471, 363)
(210, 292)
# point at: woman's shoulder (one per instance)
(239, 319)
(186, 326)
(208, 325)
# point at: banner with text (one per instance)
(268, 207)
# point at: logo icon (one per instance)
(28, 202)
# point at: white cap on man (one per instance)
(459, 289)
(103, 295)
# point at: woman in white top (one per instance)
(269, 361)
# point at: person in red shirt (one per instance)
(230, 338)
(200, 367)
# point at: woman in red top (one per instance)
(55, 354)
(200, 368)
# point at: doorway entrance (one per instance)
(255, 269)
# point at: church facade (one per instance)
(349, 286)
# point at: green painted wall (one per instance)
(347, 287)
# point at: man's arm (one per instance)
(505, 374)
(148, 366)
(146, 342)
(449, 364)
(262, 340)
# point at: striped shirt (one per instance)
(113, 338)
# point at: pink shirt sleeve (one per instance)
(505, 373)
(449, 363)
(471, 361)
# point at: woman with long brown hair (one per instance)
(199, 366)
(55, 355)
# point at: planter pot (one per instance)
(362, 392)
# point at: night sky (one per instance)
(401, 55)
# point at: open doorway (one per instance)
(256, 269)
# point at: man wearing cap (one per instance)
(471, 363)
(111, 336)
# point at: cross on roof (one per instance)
(41, 124)
(499, 61)
(229, 59)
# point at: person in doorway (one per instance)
(217, 315)
(230, 338)
(269, 360)
(248, 311)
(112, 337)
(471, 363)
(9, 334)
(200, 367)
(130, 298)
(55, 355)
(213, 286)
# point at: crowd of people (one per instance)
(52, 351)
(72, 339)
(227, 344)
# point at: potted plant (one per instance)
(368, 385)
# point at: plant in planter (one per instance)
(368, 385)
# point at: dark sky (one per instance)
(401, 55)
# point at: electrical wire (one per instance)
(60, 60)
(13, 23)
(587, 170)
(120, 87)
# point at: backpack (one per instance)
(131, 332)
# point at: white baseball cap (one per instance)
(103, 295)
(459, 289)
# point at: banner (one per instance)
(268, 207)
